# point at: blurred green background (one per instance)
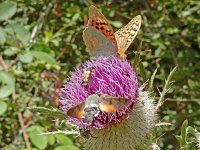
(41, 41)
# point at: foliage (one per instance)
(34, 64)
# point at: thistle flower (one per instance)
(123, 129)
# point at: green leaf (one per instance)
(44, 56)
(7, 78)
(3, 107)
(8, 85)
(2, 36)
(7, 10)
(75, 17)
(117, 24)
(9, 147)
(19, 30)
(50, 139)
(11, 51)
(26, 57)
(191, 130)
(183, 131)
(50, 112)
(66, 147)
(64, 139)
(40, 141)
(6, 90)
(179, 138)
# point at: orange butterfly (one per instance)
(100, 39)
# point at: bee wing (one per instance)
(97, 44)
(127, 34)
(112, 104)
(76, 111)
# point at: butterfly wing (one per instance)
(99, 22)
(127, 34)
(97, 44)
(112, 104)
(98, 36)
(76, 111)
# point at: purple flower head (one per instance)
(111, 76)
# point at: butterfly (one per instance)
(88, 110)
(100, 39)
